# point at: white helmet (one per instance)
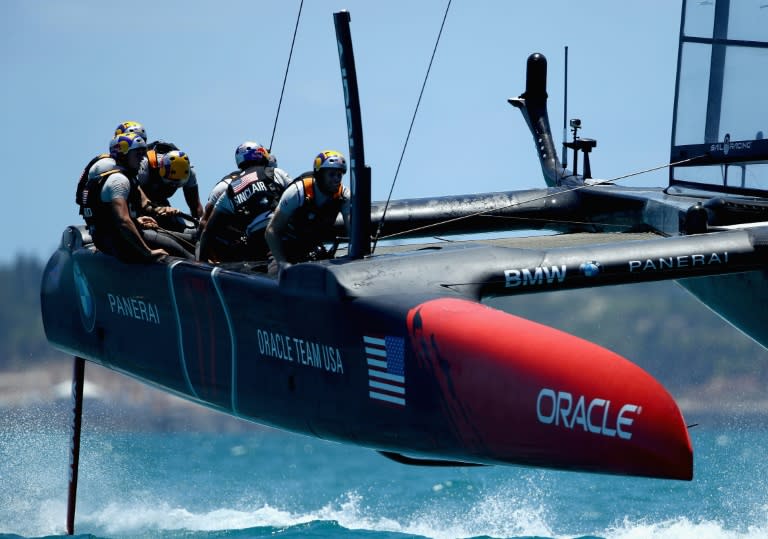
(251, 153)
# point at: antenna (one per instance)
(565, 111)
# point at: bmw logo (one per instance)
(87, 307)
(590, 269)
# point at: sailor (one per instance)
(159, 189)
(159, 176)
(235, 230)
(307, 212)
(110, 201)
(122, 129)
(220, 187)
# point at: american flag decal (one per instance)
(386, 368)
(239, 186)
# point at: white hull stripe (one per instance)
(387, 387)
(386, 398)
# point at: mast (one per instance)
(360, 175)
(717, 71)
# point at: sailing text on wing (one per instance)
(534, 276)
(678, 262)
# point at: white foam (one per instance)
(113, 502)
(502, 514)
(120, 519)
(682, 528)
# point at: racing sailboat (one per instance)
(395, 350)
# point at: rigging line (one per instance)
(543, 197)
(285, 77)
(408, 136)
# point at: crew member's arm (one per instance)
(290, 200)
(129, 231)
(149, 210)
(207, 250)
(206, 216)
(345, 215)
(273, 235)
(215, 225)
(216, 193)
(192, 196)
(146, 205)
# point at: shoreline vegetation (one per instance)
(715, 373)
(42, 395)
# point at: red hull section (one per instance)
(530, 394)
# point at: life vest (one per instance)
(158, 146)
(98, 215)
(161, 146)
(84, 179)
(310, 216)
(156, 189)
(311, 224)
(254, 191)
(88, 196)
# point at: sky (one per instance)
(208, 75)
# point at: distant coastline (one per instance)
(41, 395)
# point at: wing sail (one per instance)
(720, 113)
(503, 267)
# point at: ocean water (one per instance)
(266, 483)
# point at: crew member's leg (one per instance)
(159, 239)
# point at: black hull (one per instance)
(304, 353)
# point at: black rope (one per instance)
(285, 77)
(408, 136)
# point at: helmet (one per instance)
(131, 127)
(175, 168)
(122, 144)
(251, 153)
(330, 159)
